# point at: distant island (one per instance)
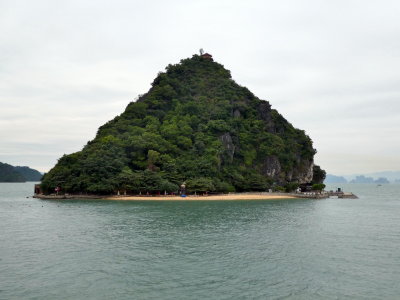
(9, 173)
(363, 179)
(335, 179)
(357, 179)
(195, 128)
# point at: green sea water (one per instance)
(286, 249)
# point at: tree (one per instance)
(318, 175)
(152, 159)
(151, 181)
(168, 187)
(318, 187)
(126, 179)
(201, 184)
(291, 186)
(223, 186)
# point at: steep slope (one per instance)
(196, 125)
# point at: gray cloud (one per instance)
(330, 67)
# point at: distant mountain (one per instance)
(382, 180)
(377, 177)
(389, 175)
(335, 179)
(9, 173)
(29, 173)
(364, 179)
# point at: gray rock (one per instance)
(229, 147)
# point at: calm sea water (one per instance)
(286, 249)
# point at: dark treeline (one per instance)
(9, 173)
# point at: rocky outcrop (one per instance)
(229, 147)
(264, 110)
(271, 167)
(304, 174)
(236, 113)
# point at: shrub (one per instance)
(318, 186)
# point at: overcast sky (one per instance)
(331, 68)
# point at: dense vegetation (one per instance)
(9, 173)
(29, 174)
(195, 125)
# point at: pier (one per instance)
(341, 194)
(325, 195)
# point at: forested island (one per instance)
(9, 173)
(196, 126)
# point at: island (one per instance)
(195, 127)
(335, 179)
(9, 173)
(364, 179)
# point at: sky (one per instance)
(331, 68)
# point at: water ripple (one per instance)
(288, 249)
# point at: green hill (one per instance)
(195, 125)
(9, 174)
(28, 173)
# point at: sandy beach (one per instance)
(244, 196)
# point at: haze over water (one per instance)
(295, 249)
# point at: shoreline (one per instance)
(229, 197)
(220, 197)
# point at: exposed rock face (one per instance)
(305, 173)
(264, 110)
(271, 167)
(309, 174)
(229, 147)
(236, 113)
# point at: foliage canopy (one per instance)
(195, 124)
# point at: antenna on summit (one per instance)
(201, 51)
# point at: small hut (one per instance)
(38, 189)
(207, 56)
